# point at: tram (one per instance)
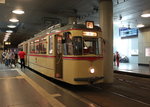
(71, 53)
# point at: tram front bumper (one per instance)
(89, 79)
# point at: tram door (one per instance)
(26, 57)
(58, 45)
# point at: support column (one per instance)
(72, 20)
(106, 23)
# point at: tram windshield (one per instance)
(82, 46)
(90, 46)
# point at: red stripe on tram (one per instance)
(83, 58)
(43, 56)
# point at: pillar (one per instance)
(106, 23)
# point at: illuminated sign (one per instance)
(86, 33)
(89, 24)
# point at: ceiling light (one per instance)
(140, 25)
(9, 31)
(18, 11)
(11, 26)
(145, 15)
(13, 20)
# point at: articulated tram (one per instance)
(71, 53)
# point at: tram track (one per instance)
(138, 82)
(134, 83)
(122, 95)
(125, 89)
(114, 95)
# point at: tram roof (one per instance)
(67, 27)
(63, 28)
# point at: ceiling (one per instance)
(39, 14)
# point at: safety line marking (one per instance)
(86, 101)
(50, 97)
(19, 77)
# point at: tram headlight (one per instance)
(92, 70)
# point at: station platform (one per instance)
(133, 69)
(23, 88)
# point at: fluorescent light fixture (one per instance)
(13, 20)
(9, 31)
(145, 15)
(140, 25)
(7, 43)
(11, 26)
(18, 11)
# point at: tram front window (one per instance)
(86, 46)
(90, 46)
(82, 46)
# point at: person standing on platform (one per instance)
(117, 58)
(3, 56)
(16, 56)
(114, 59)
(7, 58)
(12, 58)
(21, 55)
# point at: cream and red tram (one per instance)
(72, 53)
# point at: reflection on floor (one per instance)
(133, 68)
(24, 88)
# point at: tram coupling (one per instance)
(89, 79)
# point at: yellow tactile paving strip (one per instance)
(50, 97)
(11, 77)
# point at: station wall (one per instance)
(125, 46)
(144, 46)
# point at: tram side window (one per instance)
(40, 46)
(78, 45)
(51, 45)
(32, 47)
(37, 48)
(44, 45)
